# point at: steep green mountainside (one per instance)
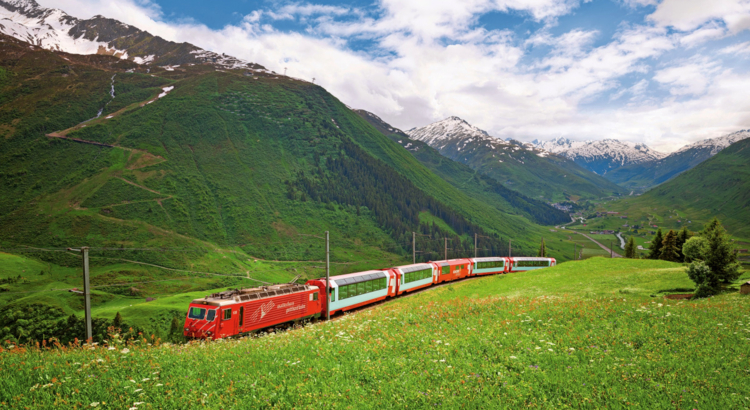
(718, 187)
(518, 166)
(226, 179)
(648, 174)
(214, 161)
(467, 180)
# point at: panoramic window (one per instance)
(197, 313)
(418, 275)
(532, 263)
(490, 265)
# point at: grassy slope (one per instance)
(648, 174)
(534, 339)
(205, 167)
(469, 181)
(215, 153)
(552, 178)
(717, 187)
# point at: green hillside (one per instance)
(216, 161)
(198, 179)
(471, 182)
(718, 187)
(593, 334)
(553, 178)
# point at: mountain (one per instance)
(650, 173)
(601, 156)
(717, 187)
(519, 166)
(53, 29)
(219, 177)
(95, 150)
(471, 182)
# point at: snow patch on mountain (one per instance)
(47, 28)
(55, 30)
(447, 129)
(616, 152)
(716, 144)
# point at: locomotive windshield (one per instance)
(197, 313)
(211, 315)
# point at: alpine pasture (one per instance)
(587, 334)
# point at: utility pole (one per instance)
(611, 249)
(328, 279)
(87, 293)
(574, 251)
(475, 244)
(413, 247)
(446, 248)
(284, 70)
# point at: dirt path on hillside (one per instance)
(143, 187)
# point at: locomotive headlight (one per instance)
(187, 329)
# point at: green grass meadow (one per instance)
(587, 334)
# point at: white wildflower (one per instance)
(125, 351)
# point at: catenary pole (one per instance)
(87, 293)
(475, 244)
(446, 248)
(510, 241)
(413, 247)
(328, 280)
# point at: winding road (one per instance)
(613, 253)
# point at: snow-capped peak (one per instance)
(717, 144)
(615, 152)
(449, 128)
(53, 29)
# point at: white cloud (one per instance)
(739, 48)
(688, 79)
(686, 15)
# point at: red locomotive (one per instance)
(241, 311)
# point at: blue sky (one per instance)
(663, 72)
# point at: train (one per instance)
(239, 312)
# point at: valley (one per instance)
(194, 205)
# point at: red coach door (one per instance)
(228, 321)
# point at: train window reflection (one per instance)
(197, 313)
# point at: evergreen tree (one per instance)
(669, 250)
(682, 237)
(721, 257)
(630, 248)
(542, 250)
(656, 244)
(117, 323)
